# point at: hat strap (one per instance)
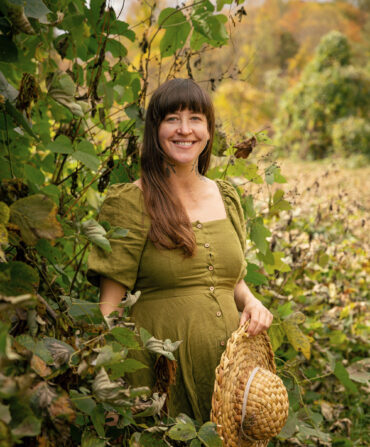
(245, 401)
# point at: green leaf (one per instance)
(17, 278)
(90, 161)
(278, 264)
(61, 145)
(30, 426)
(272, 174)
(249, 206)
(8, 50)
(116, 48)
(32, 8)
(218, 30)
(145, 335)
(34, 175)
(208, 435)
(277, 335)
(91, 440)
(36, 347)
(117, 233)
(307, 432)
(342, 375)
(36, 218)
(52, 191)
(127, 366)
(19, 118)
(177, 30)
(125, 336)
(222, 3)
(98, 419)
(85, 310)
(62, 89)
(148, 439)
(84, 403)
(122, 29)
(253, 275)
(258, 235)
(197, 40)
(290, 427)
(96, 234)
(278, 203)
(107, 355)
(267, 258)
(6, 89)
(85, 153)
(182, 431)
(195, 443)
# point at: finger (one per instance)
(253, 323)
(265, 321)
(244, 318)
(262, 323)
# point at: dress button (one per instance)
(222, 343)
(206, 245)
(210, 267)
(199, 225)
(211, 288)
(218, 313)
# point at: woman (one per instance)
(184, 250)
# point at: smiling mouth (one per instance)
(184, 143)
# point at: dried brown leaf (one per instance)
(39, 366)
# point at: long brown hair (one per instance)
(170, 225)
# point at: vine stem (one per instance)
(7, 146)
(145, 79)
(78, 267)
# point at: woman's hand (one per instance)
(252, 309)
(260, 317)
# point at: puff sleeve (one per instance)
(236, 214)
(123, 207)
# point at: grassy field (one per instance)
(325, 241)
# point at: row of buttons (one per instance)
(211, 268)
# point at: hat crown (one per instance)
(267, 406)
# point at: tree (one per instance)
(329, 90)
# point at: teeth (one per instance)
(184, 143)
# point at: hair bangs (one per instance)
(183, 94)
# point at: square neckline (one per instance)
(203, 222)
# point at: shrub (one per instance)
(329, 90)
(351, 135)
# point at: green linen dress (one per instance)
(188, 299)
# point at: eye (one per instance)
(171, 118)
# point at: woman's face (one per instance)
(183, 135)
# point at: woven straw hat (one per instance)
(249, 403)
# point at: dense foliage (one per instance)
(71, 117)
(330, 94)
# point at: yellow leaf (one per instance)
(296, 318)
(3, 235)
(296, 337)
(4, 213)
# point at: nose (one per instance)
(184, 127)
